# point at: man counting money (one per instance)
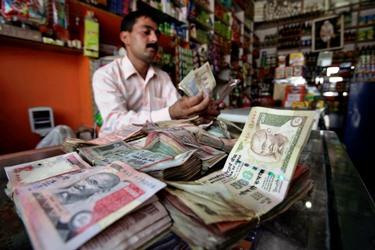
(132, 90)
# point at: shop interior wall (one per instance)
(31, 78)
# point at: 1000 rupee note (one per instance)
(261, 164)
(273, 139)
(211, 212)
(65, 213)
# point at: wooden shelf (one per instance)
(109, 23)
(14, 41)
(222, 20)
(159, 15)
(224, 7)
(356, 7)
(98, 8)
(360, 26)
(297, 49)
(200, 24)
(202, 6)
(363, 41)
(366, 41)
(240, 4)
(268, 46)
(247, 28)
(288, 20)
(217, 33)
(367, 4)
(194, 40)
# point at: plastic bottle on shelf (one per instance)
(91, 35)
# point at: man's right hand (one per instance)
(189, 106)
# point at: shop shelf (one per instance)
(202, 6)
(14, 41)
(360, 26)
(200, 24)
(160, 15)
(96, 7)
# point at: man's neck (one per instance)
(139, 65)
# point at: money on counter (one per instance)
(256, 175)
(261, 164)
(121, 151)
(128, 133)
(112, 206)
(190, 227)
(65, 213)
(129, 232)
(30, 172)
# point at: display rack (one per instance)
(38, 45)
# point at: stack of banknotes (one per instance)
(102, 194)
(258, 181)
(75, 202)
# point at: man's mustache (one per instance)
(152, 45)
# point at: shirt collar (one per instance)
(150, 74)
(128, 67)
(129, 70)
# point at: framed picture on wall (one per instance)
(328, 33)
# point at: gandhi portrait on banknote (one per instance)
(60, 204)
(85, 188)
(267, 144)
(270, 142)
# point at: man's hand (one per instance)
(211, 112)
(212, 109)
(189, 106)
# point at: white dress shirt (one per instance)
(123, 97)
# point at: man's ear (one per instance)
(124, 37)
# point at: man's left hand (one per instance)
(211, 112)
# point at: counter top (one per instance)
(235, 115)
(337, 214)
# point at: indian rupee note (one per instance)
(65, 213)
(121, 151)
(39, 170)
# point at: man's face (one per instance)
(93, 184)
(264, 143)
(142, 41)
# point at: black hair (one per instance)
(129, 20)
